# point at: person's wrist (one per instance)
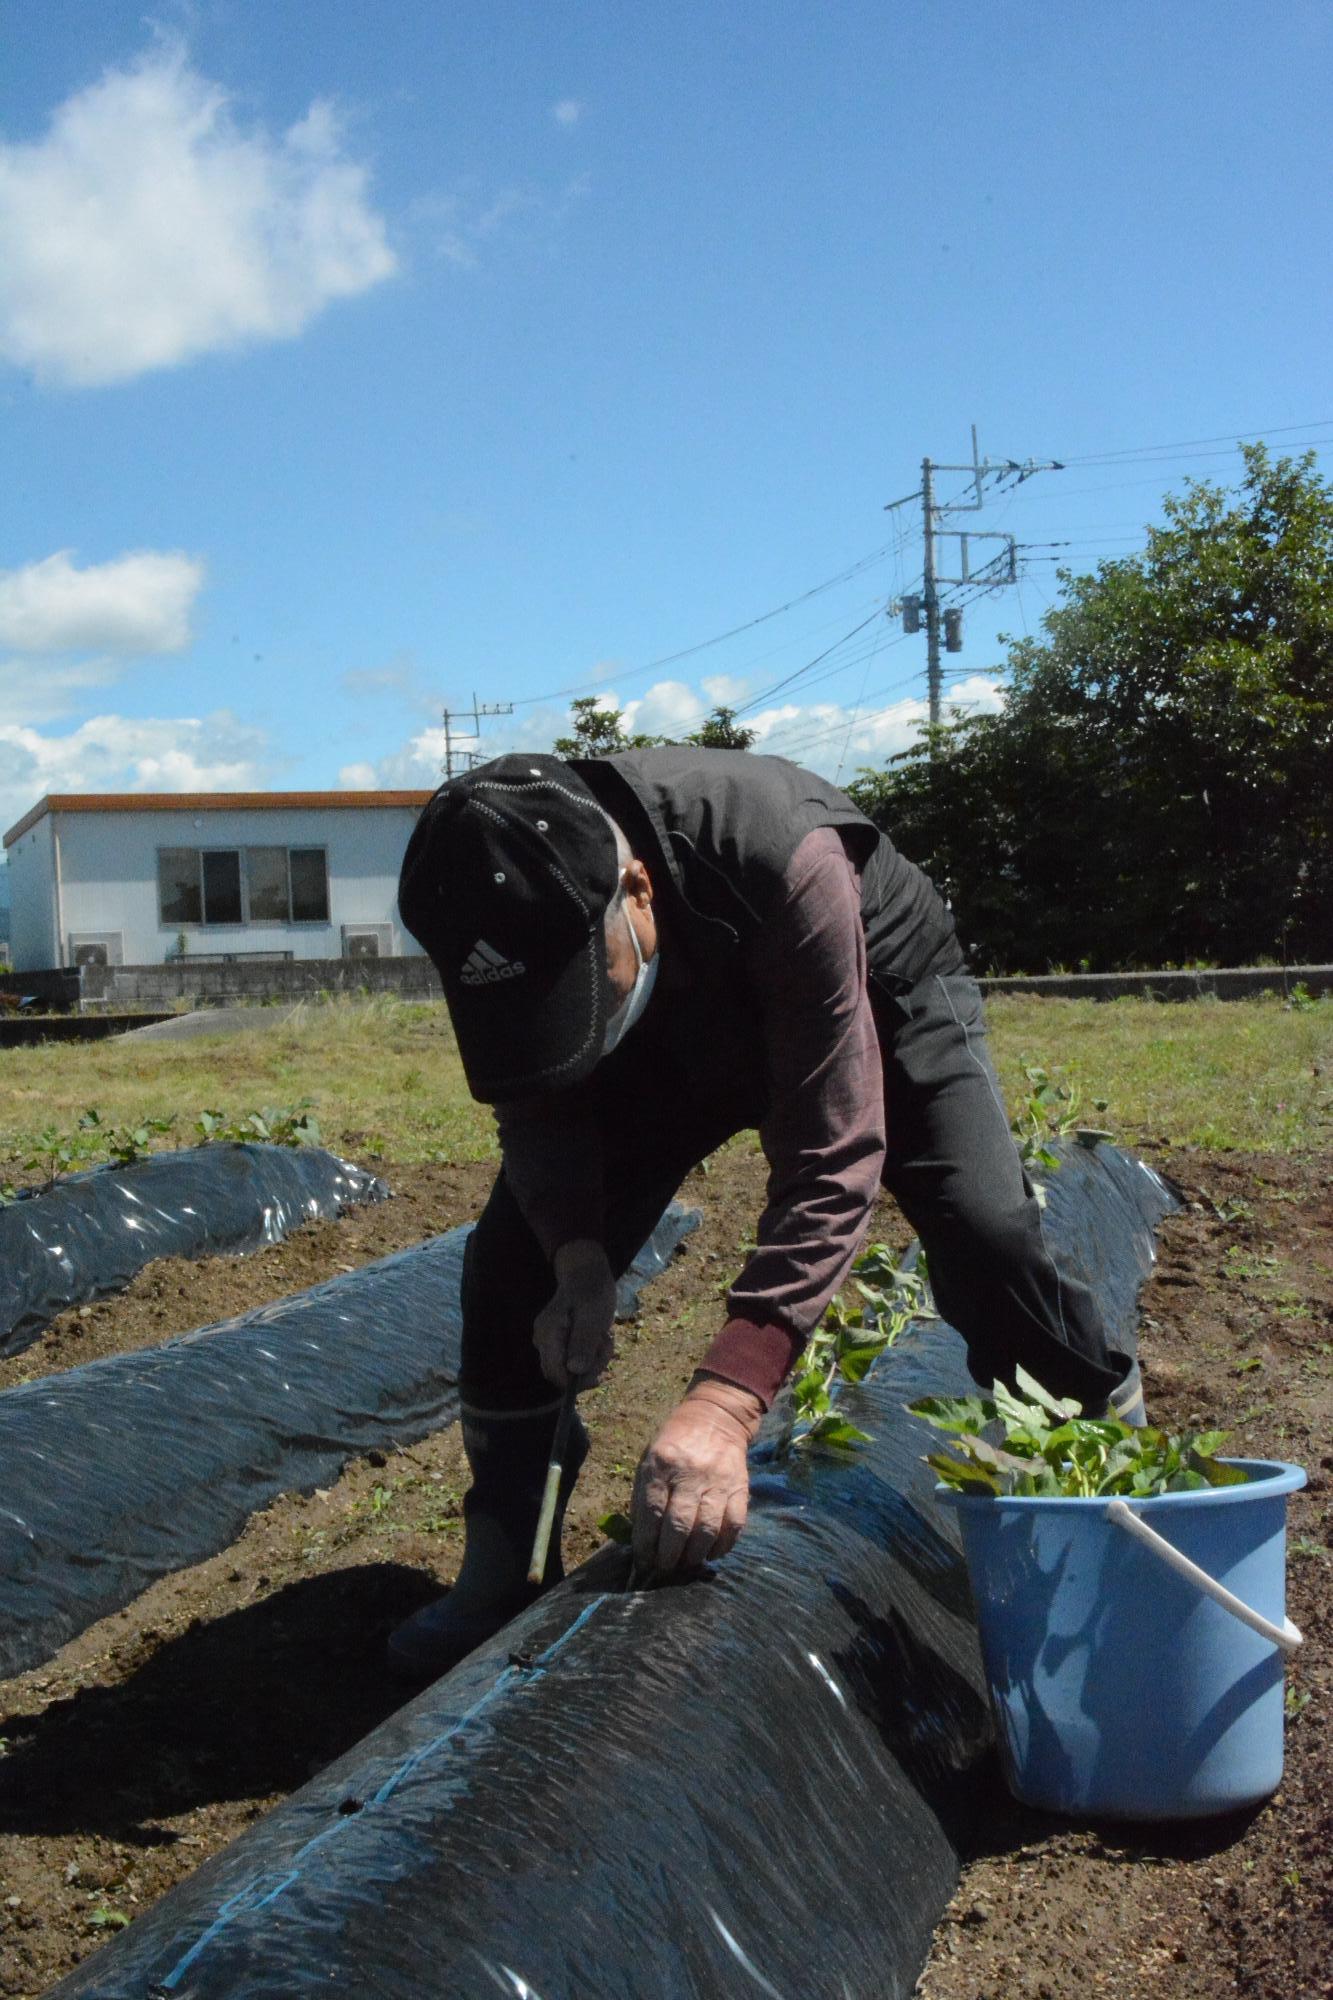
(582, 1254)
(729, 1399)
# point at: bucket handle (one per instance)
(1284, 1636)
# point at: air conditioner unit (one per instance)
(367, 940)
(96, 948)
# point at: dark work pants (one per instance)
(951, 1166)
(954, 1171)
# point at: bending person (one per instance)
(643, 955)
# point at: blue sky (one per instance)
(354, 361)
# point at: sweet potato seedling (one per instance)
(1049, 1449)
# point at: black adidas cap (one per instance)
(505, 882)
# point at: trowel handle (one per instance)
(555, 1468)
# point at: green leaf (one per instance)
(964, 1476)
(617, 1527)
(992, 1454)
(954, 1413)
(834, 1434)
(1078, 1457)
(811, 1398)
(856, 1362)
(1213, 1472)
(1033, 1390)
(1019, 1417)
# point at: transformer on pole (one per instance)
(997, 572)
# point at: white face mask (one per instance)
(634, 1002)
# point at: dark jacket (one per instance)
(751, 1025)
(717, 830)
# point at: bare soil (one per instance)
(1236, 1331)
(155, 1738)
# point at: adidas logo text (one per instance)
(485, 966)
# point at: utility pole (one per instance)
(465, 759)
(997, 573)
(930, 591)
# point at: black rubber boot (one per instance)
(508, 1453)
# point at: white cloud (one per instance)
(463, 223)
(37, 691)
(148, 226)
(724, 690)
(827, 737)
(669, 708)
(138, 603)
(836, 740)
(567, 112)
(116, 753)
(417, 766)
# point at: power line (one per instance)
(857, 705)
(1231, 438)
(839, 667)
(1008, 476)
(764, 694)
(830, 731)
(720, 638)
(801, 673)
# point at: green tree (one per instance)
(722, 732)
(1156, 787)
(598, 731)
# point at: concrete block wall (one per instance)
(1242, 982)
(271, 979)
(416, 978)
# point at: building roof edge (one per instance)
(92, 802)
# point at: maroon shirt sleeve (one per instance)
(823, 1136)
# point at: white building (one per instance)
(137, 878)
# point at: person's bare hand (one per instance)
(692, 1488)
(572, 1332)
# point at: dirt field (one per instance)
(156, 1737)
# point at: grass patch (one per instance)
(383, 1076)
(384, 1079)
(1227, 1075)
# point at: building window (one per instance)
(310, 885)
(266, 880)
(251, 885)
(222, 885)
(180, 895)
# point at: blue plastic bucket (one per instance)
(1120, 1688)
